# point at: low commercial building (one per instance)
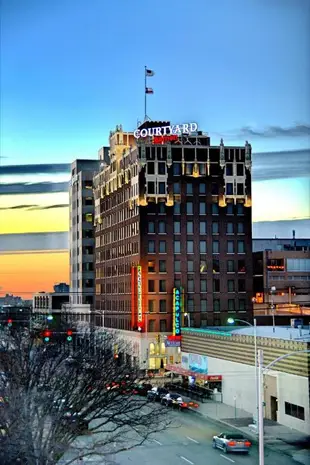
(225, 360)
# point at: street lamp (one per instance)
(261, 372)
(187, 315)
(232, 321)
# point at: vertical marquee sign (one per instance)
(139, 294)
(177, 311)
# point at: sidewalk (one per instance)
(286, 440)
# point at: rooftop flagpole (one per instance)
(145, 93)
(147, 90)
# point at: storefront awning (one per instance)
(181, 371)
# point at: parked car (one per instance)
(231, 442)
(142, 389)
(156, 393)
(172, 399)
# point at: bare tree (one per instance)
(59, 403)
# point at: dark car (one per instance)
(156, 393)
(172, 399)
(74, 421)
(142, 389)
(231, 442)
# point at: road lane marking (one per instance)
(227, 458)
(157, 442)
(191, 439)
(186, 460)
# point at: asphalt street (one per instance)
(190, 443)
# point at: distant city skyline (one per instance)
(241, 73)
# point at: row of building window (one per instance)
(124, 250)
(160, 187)
(215, 227)
(162, 247)
(231, 285)
(118, 234)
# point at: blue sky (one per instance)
(72, 70)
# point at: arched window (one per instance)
(162, 348)
(152, 348)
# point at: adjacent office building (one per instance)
(172, 218)
(82, 242)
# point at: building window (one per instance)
(229, 169)
(190, 305)
(240, 189)
(240, 209)
(162, 246)
(231, 305)
(203, 246)
(89, 217)
(162, 285)
(202, 208)
(216, 285)
(203, 266)
(241, 305)
(190, 246)
(216, 266)
(162, 266)
(203, 305)
(151, 247)
(177, 227)
(190, 227)
(240, 228)
(241, 285)
(176, 188)
(88, 184)
(215, 209)
(229, 188)
(230, 228)
(163, 326)
(162, 188)
(161, 167)
(230, 247)
(177, 283)
(190, 266)
(240, 169)
(177, 169)
(151, 285)
(151, 187)
(89, 201)
(298, 264)
(215, 247)
(163, 306)
(190, 285)
(177, 266)
(214, 188)
(231, 285)
(202, 188)
(202, 169)
(216, 305)
(215, 228)
(230, 266)
(203, 285)
(150, 167)
(294, 411)
(177, 209)
(241, 266)
(151, 306)
(189, 188)
(177, 246)
(189, 208)
(241, 247)
(203, 227)
(161, 208)
(161, 227)
(151, 326)
(151, 227)
(151, 266)
(230, 209)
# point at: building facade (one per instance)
(172, 213)
(81, 236)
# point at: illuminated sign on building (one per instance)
(177, 129)
(177, 311)
(164, 139)
(139, 293)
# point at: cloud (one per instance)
(49, 207)
(35, 169)
(18, 207)
(34, 241)
(33, 188)
(281, 229)
(298, 130)
(281, 165)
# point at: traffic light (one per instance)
(10, 322)
(47, 334)
(69, 335)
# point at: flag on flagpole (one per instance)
(149, 90)
(149, 72)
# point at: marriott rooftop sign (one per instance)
(175, 130)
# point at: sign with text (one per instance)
(172, 343)
(177, 311)
(162, 131)
(139, 293)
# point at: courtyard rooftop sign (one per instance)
(174, 130)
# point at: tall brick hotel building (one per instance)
(172, 215)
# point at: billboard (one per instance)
(139, 294)
(198, 363)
